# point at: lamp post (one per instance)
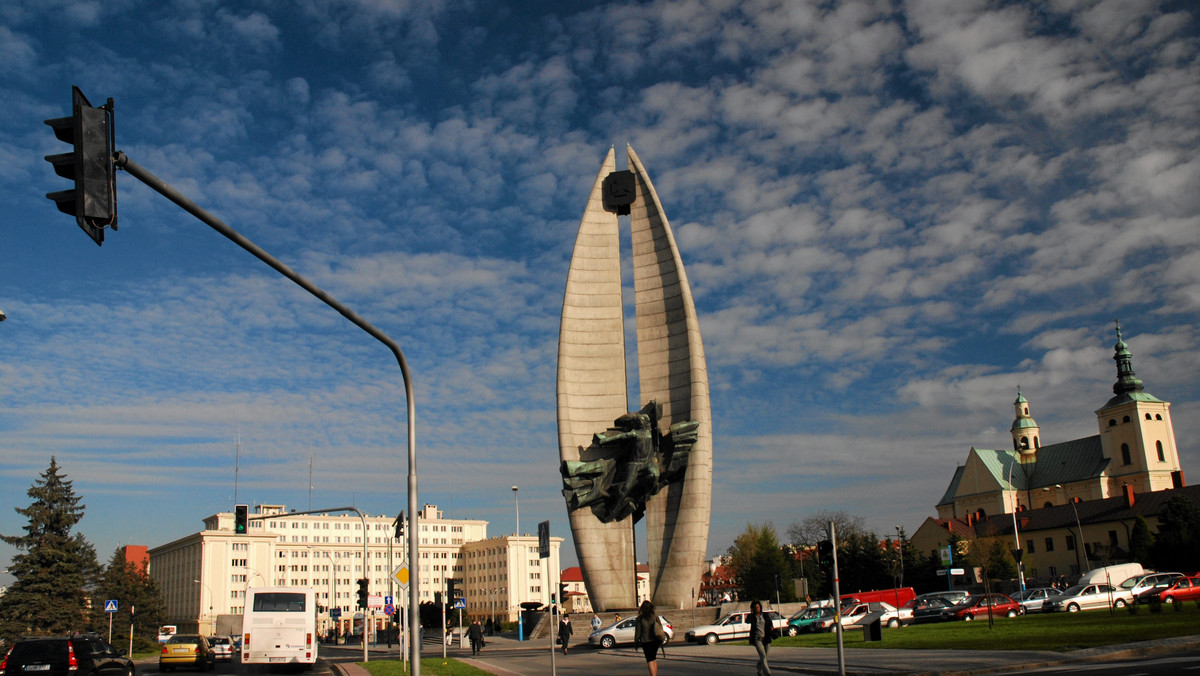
(332, 582)
(520, 569)
(900, 581)
(492, 593)
(1079, 525)
(210, 600)
(1016, 536)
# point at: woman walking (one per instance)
(564, 632)
(760, 636)
(649, 634)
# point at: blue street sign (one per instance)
(387, 600)
(335, 613)
(110, 606)
(460, 604)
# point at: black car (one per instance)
(78, 655)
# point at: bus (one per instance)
(280, 626)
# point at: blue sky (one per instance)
(892, 214)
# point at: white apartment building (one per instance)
(204, 576)
(503, 572)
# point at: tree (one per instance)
(1141, 541)
(135, 592)
(808, 532)
(1177, 545)
(756, 559)
(54, 568)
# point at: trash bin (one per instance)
(873, 627)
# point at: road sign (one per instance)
(387, 600)
(335, 613)
(460, 604)
(389, 609)
(110, 606)
(375, 601)
(400, 574)
(544, 540)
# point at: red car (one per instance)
(1182, 589)
(977, 605)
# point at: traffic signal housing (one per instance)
(241, 518)
(825, 559)
(93, 199)
(452, 590)
(363, 592)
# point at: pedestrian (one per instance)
(761, 633)
(564, 632)
(649, 635)
(617, 618)
(475, 634)
(596, 622)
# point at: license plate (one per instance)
(37, 667)
(278, 659)
(180, 650)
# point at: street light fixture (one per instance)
(1078, 525)
(520, 568)
(900, 582)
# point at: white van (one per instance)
(1112, 575)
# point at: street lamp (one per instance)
(1079, 525)
(332, 581)
(900, 582)
(1016, 536)
(520, 569)
(210, 600)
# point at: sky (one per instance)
(892, 214)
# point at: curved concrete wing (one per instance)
(671, 370)
(592, 391)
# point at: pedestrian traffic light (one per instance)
(93, 200)
(241, 518)
(362, 592)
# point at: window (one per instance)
(1147, 416)
(1161, 456)
(1125, 419)
(1112, 538)
(1029, 546)
(1050, 546)
(1070, 543)
(1158, 416)
(1125, 458)
(1112, 423)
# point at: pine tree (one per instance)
(54, 567)
(1141, 541)
(135, 591)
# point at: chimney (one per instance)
(1177, 479)
(1128, 491)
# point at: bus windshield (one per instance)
(279, 602)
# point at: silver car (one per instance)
(223, 648)
(1033, 599)
(622, 632)
(1082, 597)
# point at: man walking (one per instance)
(475, 634)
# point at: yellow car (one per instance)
(186, 650)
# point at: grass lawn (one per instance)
(1052, 631)
(435, 666)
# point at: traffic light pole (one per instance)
(837, 604)
(122, 161)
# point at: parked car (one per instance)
(622, 632)
(733, 626)
(1032, 599)
(928, 609)
(978, 605)
(856, 614)
(1084, 597)
(223, 648)
(186, 650)
(77, 655)
(811, 620)
(1181, 589)
(1140, 585)
(1112, 575)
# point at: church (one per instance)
(1087, 490)
(1135, 448)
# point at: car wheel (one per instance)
(710, 639)
(792, 631)
(1011, 613)
(1119, 603)
(892, 623)
(607, 641)
(968, 617)
(1168, 599)
(1072, 607)
(129, 670)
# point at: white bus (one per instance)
(279, 626)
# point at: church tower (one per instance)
(1136, 434)
(1026, 435)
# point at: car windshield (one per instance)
(218, 640)
(180, 638)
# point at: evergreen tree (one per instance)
(1141, 541)
(135, 592)
(53, 568)
(1177, 546)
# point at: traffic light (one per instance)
(362, 592)
(562, 592)
(400, 526)
(93, 200)
(452, 591)
(241, 517)
(825, 558)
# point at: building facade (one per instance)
(500, 573)
(204, 576)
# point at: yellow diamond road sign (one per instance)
(401, 574)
